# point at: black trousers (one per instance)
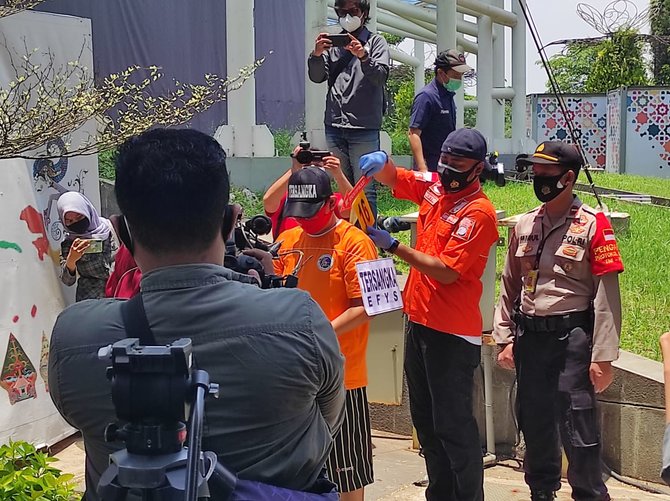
(439, 368)
(556, 405)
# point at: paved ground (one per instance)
(397, 466)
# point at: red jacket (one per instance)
(124, 282)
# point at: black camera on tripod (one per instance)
(151, 389)
(493, 170)
(306, 155)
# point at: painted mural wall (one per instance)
(589, 113)
(615, 128)
(30, 234)
(646, 123)
(625, 131)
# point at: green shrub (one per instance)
(106, 164)
(283, 138)
(400, 142)
(26, 474)
(251, 202)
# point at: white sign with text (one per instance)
(379, 286)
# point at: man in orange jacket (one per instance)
(455, 230)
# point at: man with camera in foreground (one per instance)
(273, 352)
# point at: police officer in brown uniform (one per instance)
(558, 321)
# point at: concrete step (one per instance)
(397, 467)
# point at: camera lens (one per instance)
(304, 157)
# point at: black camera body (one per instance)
(306, 155)
(153, 405)
(493, 170)
(246, 236)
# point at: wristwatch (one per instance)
(393, 247)
(366, 55)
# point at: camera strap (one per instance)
(135, 321)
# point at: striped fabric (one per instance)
(350, 461)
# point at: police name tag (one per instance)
(379, 286)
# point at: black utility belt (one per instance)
(555, 323)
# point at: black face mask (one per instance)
(454, 180)
(546, 187)
(79, 227)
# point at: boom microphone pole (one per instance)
(556, 90)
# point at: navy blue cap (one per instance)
(308, 189)
(468, 143)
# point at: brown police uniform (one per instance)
(560, 304)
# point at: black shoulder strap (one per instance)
(135, 321)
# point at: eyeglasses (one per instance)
(354, 12)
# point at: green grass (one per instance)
(637, 184)
(283, 137)
(252, 203)
(645, 248)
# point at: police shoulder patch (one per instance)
(605, 255)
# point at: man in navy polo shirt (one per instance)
(434, 111)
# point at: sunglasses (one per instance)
(354, 12)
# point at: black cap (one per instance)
(308, 189)
(468, 143)
(555, 153)
(452, 59)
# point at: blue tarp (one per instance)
(187, 39)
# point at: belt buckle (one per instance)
(566, 320)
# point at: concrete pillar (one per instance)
(241, 109)
(485, 78)
(519, 80)
(372, 24)
(241, 137)
(498, 74)
(446, 24)
(315, 94)
(460, 94)
(420, 70)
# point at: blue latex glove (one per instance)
(372, 163)
(381, 238)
